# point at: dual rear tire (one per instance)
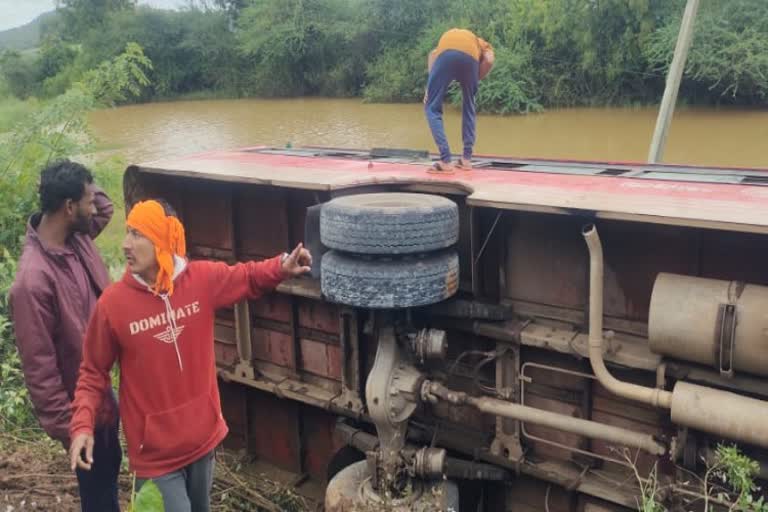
(390, 250)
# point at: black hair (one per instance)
(62, 180)
(167, 208)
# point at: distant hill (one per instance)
(26, 36)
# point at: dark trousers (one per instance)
(98, 487)
(452, 65)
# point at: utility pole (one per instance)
(674, 77)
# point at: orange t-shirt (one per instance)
(464, 41)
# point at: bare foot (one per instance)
(442, 168)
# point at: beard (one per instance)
(82, 224)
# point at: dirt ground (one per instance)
(34, 475)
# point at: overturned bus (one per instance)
(528, 335)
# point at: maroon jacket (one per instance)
(52, 299)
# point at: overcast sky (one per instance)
(14, 13)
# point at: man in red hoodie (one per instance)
(158, 323)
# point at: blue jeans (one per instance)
(452, 65)
(98, 487)
(187, 489)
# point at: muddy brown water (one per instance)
(704, 136)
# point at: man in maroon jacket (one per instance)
(59, 279)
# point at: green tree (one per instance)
(55, 61)
(585, 52)
(113, 82)
(300, 46)
(728, 61)
(399, 73)
(211, 49)
(19, 73)
(56, 129)
(80, 16)
(551, 52)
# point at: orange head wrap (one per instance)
(166, 233)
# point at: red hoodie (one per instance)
(169, 398)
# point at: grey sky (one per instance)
(14, 13)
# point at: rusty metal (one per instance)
(357, 438)
(432, 463)
(296, 390)
(744, 383)
(297, 203)
(459, 308)
(488, 238)
(428, 344)
(726, 319)
(595, 430)
(392, 395)
(373, 463)
(506, 442)
(353, 489)
(318, 358)
(242, 317)
(564, 474)
(308, 288)
(350, 361)
(473, 242)
(464, 246)
(318, 316)
(244, 366)
(319, 440)
(526, 379)
(661, 376)
(652, 396)
(721, 412)
(718, 323)
(212, 226)
(312, 237)
(429, 463)
(226, 354)
(273, 347)
(295, 338)
(541, 270)
(571, 316)
(710, 410)
(269, 238)
(278, 441)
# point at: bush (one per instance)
(19, 72)
(399, 74)
(13, 111)
(510, 88)
(56, 129)
(728, 60)
(15, 408)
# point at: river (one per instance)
(704, 136)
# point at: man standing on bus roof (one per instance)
(466, 58)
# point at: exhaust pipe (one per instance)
(652, 396)
(717, 412)
(721, 413)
